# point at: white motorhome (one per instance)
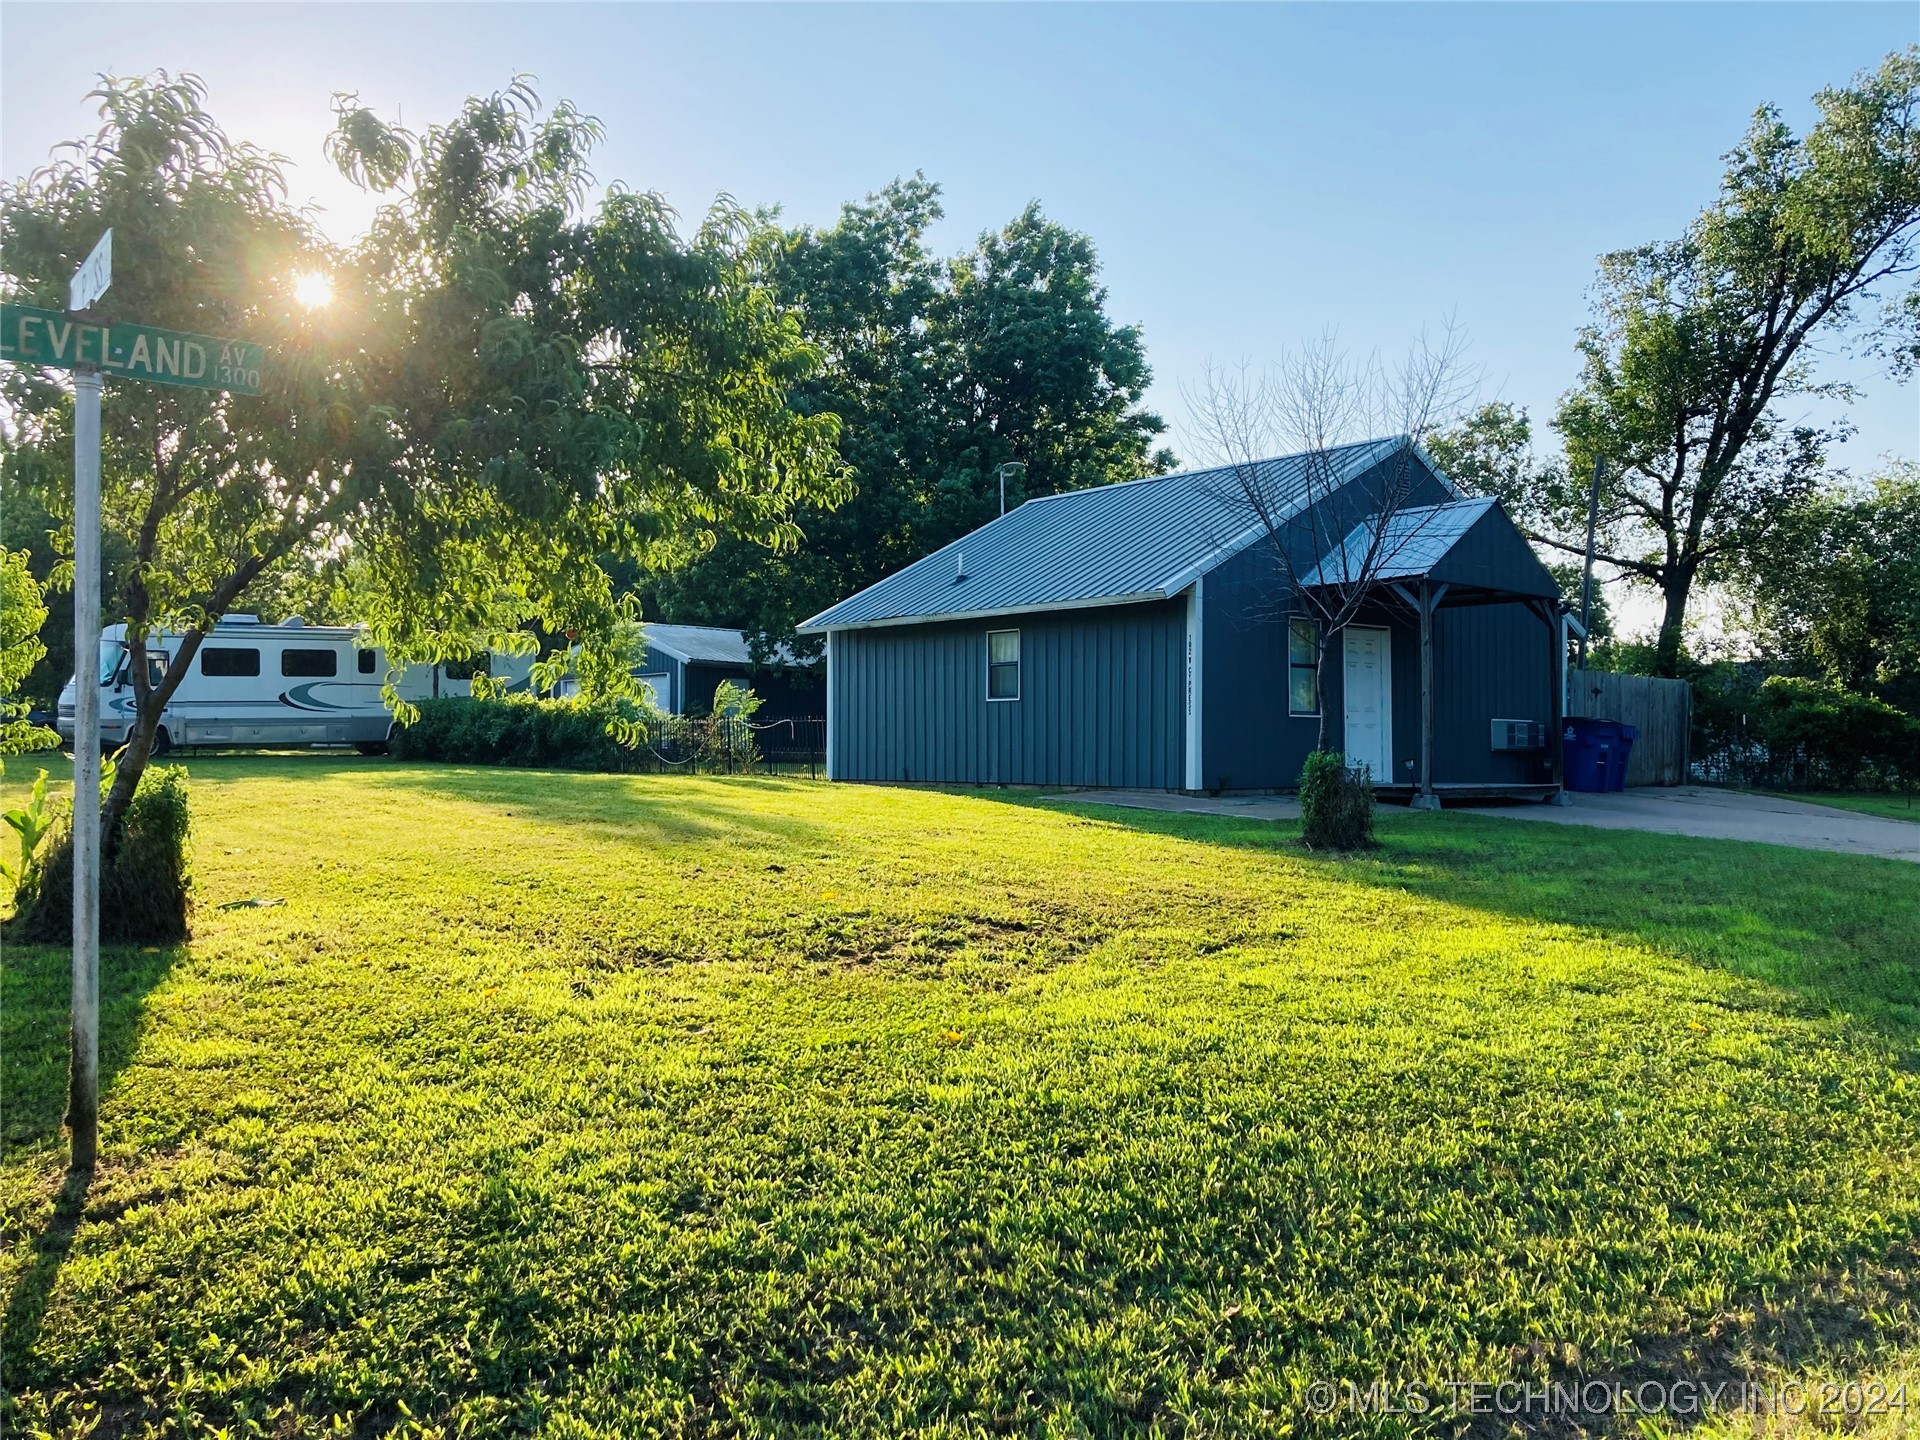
(253, 685)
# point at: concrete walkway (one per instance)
(1687, 810)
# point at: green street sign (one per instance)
(33, 336)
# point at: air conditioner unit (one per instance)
(1519, 734)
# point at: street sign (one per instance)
(90, 281)
(31, 336)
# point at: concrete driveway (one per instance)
(1728, 815)
(1687, 810)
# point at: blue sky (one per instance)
(1252, 175)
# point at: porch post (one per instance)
(1426, 799)
(1557, 708)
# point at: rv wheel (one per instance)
(162, 743)
(371, 747)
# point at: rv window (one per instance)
(1003, 665)
(310, 663)
(365, 659)
(229, 660)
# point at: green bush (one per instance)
(1336, 802)
(522, 730)
(1826, 735)
(146, 888)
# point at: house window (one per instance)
(229, 660)
(1003, 665)
(1303, 679)
(365, 660)
(310, 664)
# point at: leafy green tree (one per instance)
(21, 616)
(1696, 342)
(941, 372)
(1835, 591)
(505, 391)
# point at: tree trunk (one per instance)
(1676, 586)
(128, 769)
(1325, 740)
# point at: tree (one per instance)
(1835, 591)
(21, 616)
(1317, 400)
(941, 371)
(503, 392)
(1696, 342)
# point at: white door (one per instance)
(1369, 692)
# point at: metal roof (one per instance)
(703, 645)
(1415, 541)
(1138, 540)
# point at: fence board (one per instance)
(1662, 709)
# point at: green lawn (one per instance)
(1894, 807)
(581, 1105)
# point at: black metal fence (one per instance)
(729, 745)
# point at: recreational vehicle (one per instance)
(252, 684)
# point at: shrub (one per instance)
(146, 890)
(1336, 802)
(522, 730)
(1828, 735)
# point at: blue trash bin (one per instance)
(1624, 736)
(1587, 748)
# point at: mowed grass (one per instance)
(581, 1105)
(1892, 807)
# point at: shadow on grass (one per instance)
(1835, 930)
(661, 814)
(35, 996)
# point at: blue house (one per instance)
(1149, 635)
(684, 664)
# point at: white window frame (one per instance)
(1319, 700)
(1018, 657)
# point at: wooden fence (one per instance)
(1662, 709)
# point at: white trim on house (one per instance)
(1196, 696)
(1019, 681)
(1092, 603)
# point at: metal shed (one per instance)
(1139, 635)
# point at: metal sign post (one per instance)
(83, 1088)
(49, 338)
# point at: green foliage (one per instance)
(1697, 341)
(30, 823)
(1835, 592)
(508, 393)
(1336, 803)
(863, 1113)
(146, 882)
(1820, 734)
(21, 616)
(940, 371)
(570, 734)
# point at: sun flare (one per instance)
(313, 290)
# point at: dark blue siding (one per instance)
(656, 662)
(1101, 696)
(1489, 661)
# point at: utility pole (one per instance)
(1002, 470)
(1586, 578)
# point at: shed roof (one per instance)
(1470, 543)
(703, 645)
(1138, 540)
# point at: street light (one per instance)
(1001, 470)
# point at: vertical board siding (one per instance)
(1489, 662)
(1099, 701)
(1662, 709)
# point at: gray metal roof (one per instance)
(1140, 540)
(703, 644)
(1415, 541)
